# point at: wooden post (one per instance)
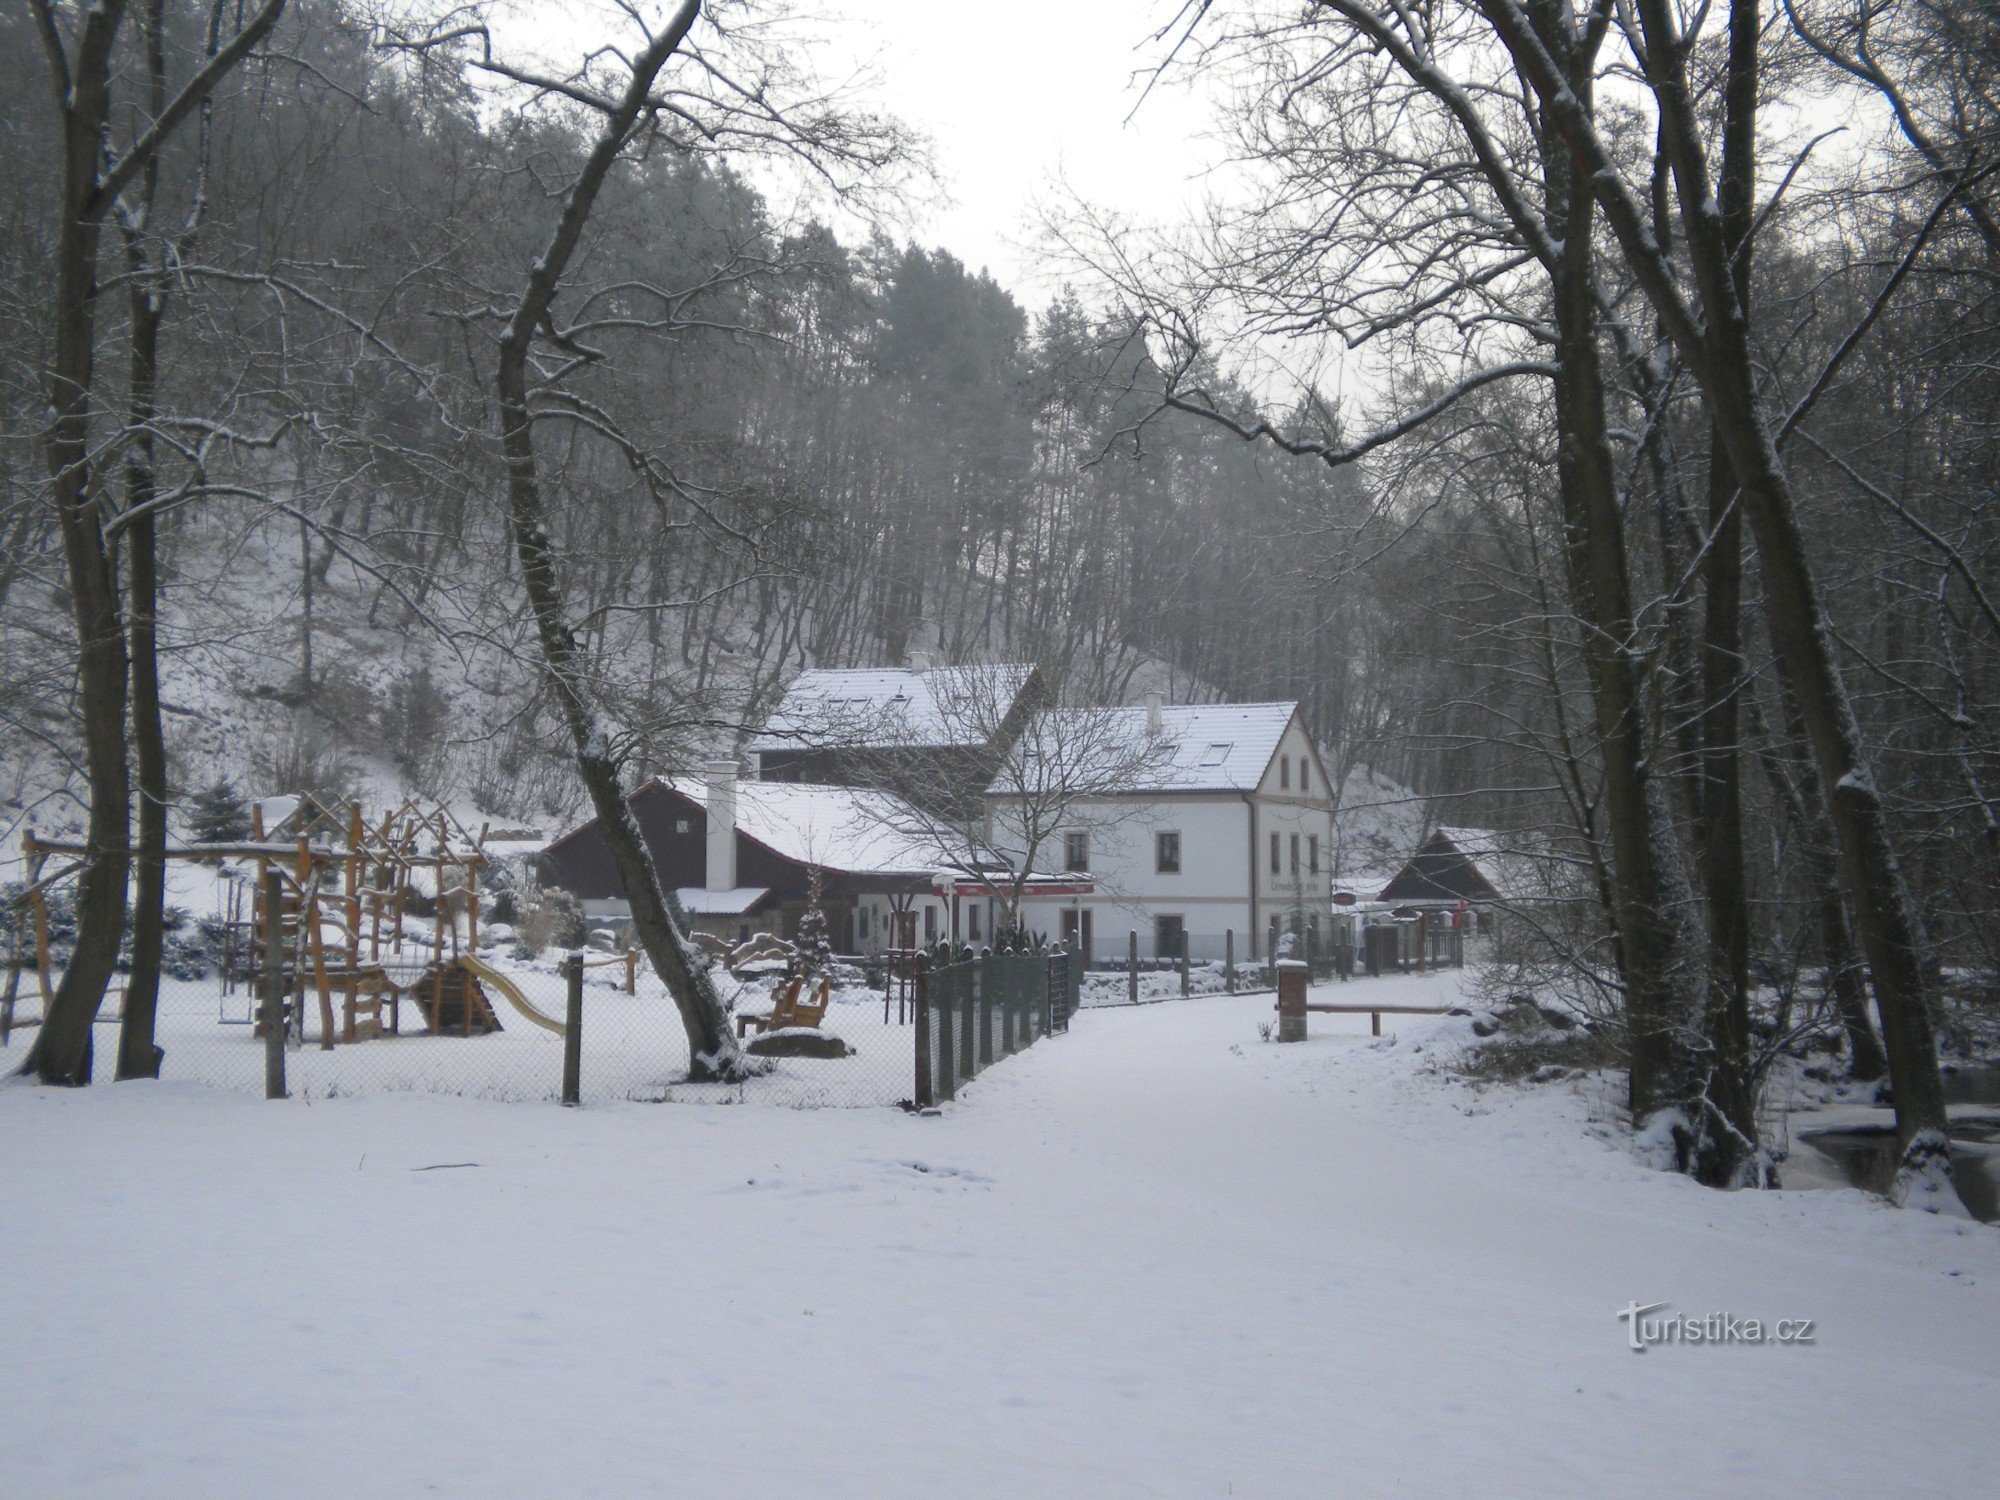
(471, 907)
(1229, 960)
(925, 1093)
(1132, 966)
(983, 983)
(970, 1021)
(274, 986)
(1292, 975)
(1184, 963)
(1423, 939)
(572, 1088)
(631, 971)
(952, 1030)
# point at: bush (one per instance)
(1523, 1043)
(551, 917)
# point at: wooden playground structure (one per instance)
(338, 896)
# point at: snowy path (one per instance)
(1155, 1258)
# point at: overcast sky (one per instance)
(1013, 95)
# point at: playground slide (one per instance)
(492, 978)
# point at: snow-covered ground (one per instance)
(1155, 1257)
(634, 1046)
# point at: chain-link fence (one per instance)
(494, 1026)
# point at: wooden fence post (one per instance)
(973, 1037)
(274, 986)
(572, 1082)
(1229, 960)
(925, 1093)
(951, 1026)
(983, 980)
(1132, 966)
(1184, 963)
(631, 971)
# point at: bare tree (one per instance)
(543, 342)
(82, 55)
(1709, 326)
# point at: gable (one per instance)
(1294, 768)
(1440, 871)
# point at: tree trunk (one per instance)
(1731, 1087)
(138, 1056)
(62, 1052)
(1651, 908)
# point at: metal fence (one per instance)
(1168, 951)
(972, 1010)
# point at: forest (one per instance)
(385, 399)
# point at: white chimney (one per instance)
(922, 661)
(1156, 718)
(722, 825)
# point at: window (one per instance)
(972, 923)
(682, 825)
(1275, 867)
(861, 922)
(1295, 854)
(1076, 931)
(1168, 935)
(1216, 754)
(1076, 851)
(1312, 854)
(1167, 853)
(930, 924)
(1285, 772)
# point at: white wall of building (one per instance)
(1212, 892)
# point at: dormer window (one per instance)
(1215, 755)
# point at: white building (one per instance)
(1224, 828)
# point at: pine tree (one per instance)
(219, 815)
(815, 952)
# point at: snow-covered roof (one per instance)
(890, 708)
(856, 830)
(698, 902)
(1200, 747)
(513, 848)
(1517, 867)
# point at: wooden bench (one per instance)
(788, 1010)
(1376, 1012)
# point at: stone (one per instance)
(797, 1041)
